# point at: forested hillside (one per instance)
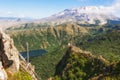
(107, 45)
(100, 40)
(45, 37)
(81, 65)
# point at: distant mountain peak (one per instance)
(82, 15)
(85, 10)
(6, 22)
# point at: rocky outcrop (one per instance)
(8, 53)
(10, 59)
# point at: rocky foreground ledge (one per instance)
(10, 60)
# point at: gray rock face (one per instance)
(9, 55)
(11, 60)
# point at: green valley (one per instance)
(100, 40)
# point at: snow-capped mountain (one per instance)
(82, 15)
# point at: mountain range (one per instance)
(6, 22)
(80, 15)
(61, 34)
(100, 40)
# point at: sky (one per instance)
(44, 8)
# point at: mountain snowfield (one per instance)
(82, 15)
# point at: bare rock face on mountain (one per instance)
(9, 57)
(11, 62)
(8, 53)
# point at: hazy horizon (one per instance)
(44, 8)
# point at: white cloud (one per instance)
(115, 6)
(112, 9)
(9, 12)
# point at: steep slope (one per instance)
(47, 37)
(54, 39)
(8, 51)
(81, 65)
(45, 64)
(12, 65)
(109, 44)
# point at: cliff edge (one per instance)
(11, 62)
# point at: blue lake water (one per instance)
(34, 53)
